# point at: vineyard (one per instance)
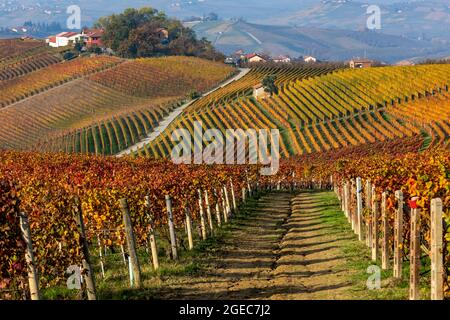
(36, 82)
(373, 142)
(52, 182)
(86, 116)
(10, 48)
(331, 111)
(111, 135)
(167, 76)
(46, 187)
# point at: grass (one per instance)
(359, 259)
(116, 284)
(194, 263)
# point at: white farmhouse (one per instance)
(254, 58)
(63, 39)
(309, 59)
(282, 59)
(259, 92)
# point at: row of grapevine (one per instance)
(431, 114)
(57, 120)
(36, 82)
(342, 109)
(244, 86)
(109, 136)
(28, 64)
(12, 249)
(10, 48)
(360, 128)
(76, 105)
(49, 184)
(167, 76)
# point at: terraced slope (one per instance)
(13, 68)
(66, 108)
(431, 114)
(167, 76)
(36, 82)
(341, 109)
(13, 47)
(243, 87)
(98, 111)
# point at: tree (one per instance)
(135, 33)
(269, 84)
(68, 55)
(79, 45)
(119, 26)
(212, 16)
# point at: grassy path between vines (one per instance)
(280, 246)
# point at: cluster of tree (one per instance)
(435, 61)
(40, 28)
(43, 26)
(212, 16)
(136, 33)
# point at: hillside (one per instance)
(342, 109)
(68, 96)
(400, 18)
(326, 44)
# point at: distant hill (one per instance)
(414, 19)
(326, 44)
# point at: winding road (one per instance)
(174, 114)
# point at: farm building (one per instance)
(93, 37)
(360, 63)
(309, 59)
(254, 57)
(282, 59)
(259, 92)
(63, 39)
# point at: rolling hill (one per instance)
(327, 44)
(68, 96)
(328, 110)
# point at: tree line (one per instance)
(136, 33)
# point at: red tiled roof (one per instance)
(93, 33)
(66, 34)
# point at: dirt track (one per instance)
(284, 251)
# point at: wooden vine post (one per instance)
(224, 206)
(346, 200)
(173, 236)
(375, 212)
(151, 225)
(414, 249)
(385, 240)
(33, 279)
(352, 207)
(189, 228)
(218, 217)
(100, 255)
(369, 208)
(86, 259)
(202, 215)
(437, 267)
(359, 208)
(131, 244)
(233, 196)
(398, 236)
(208, 213)
(227, 201)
